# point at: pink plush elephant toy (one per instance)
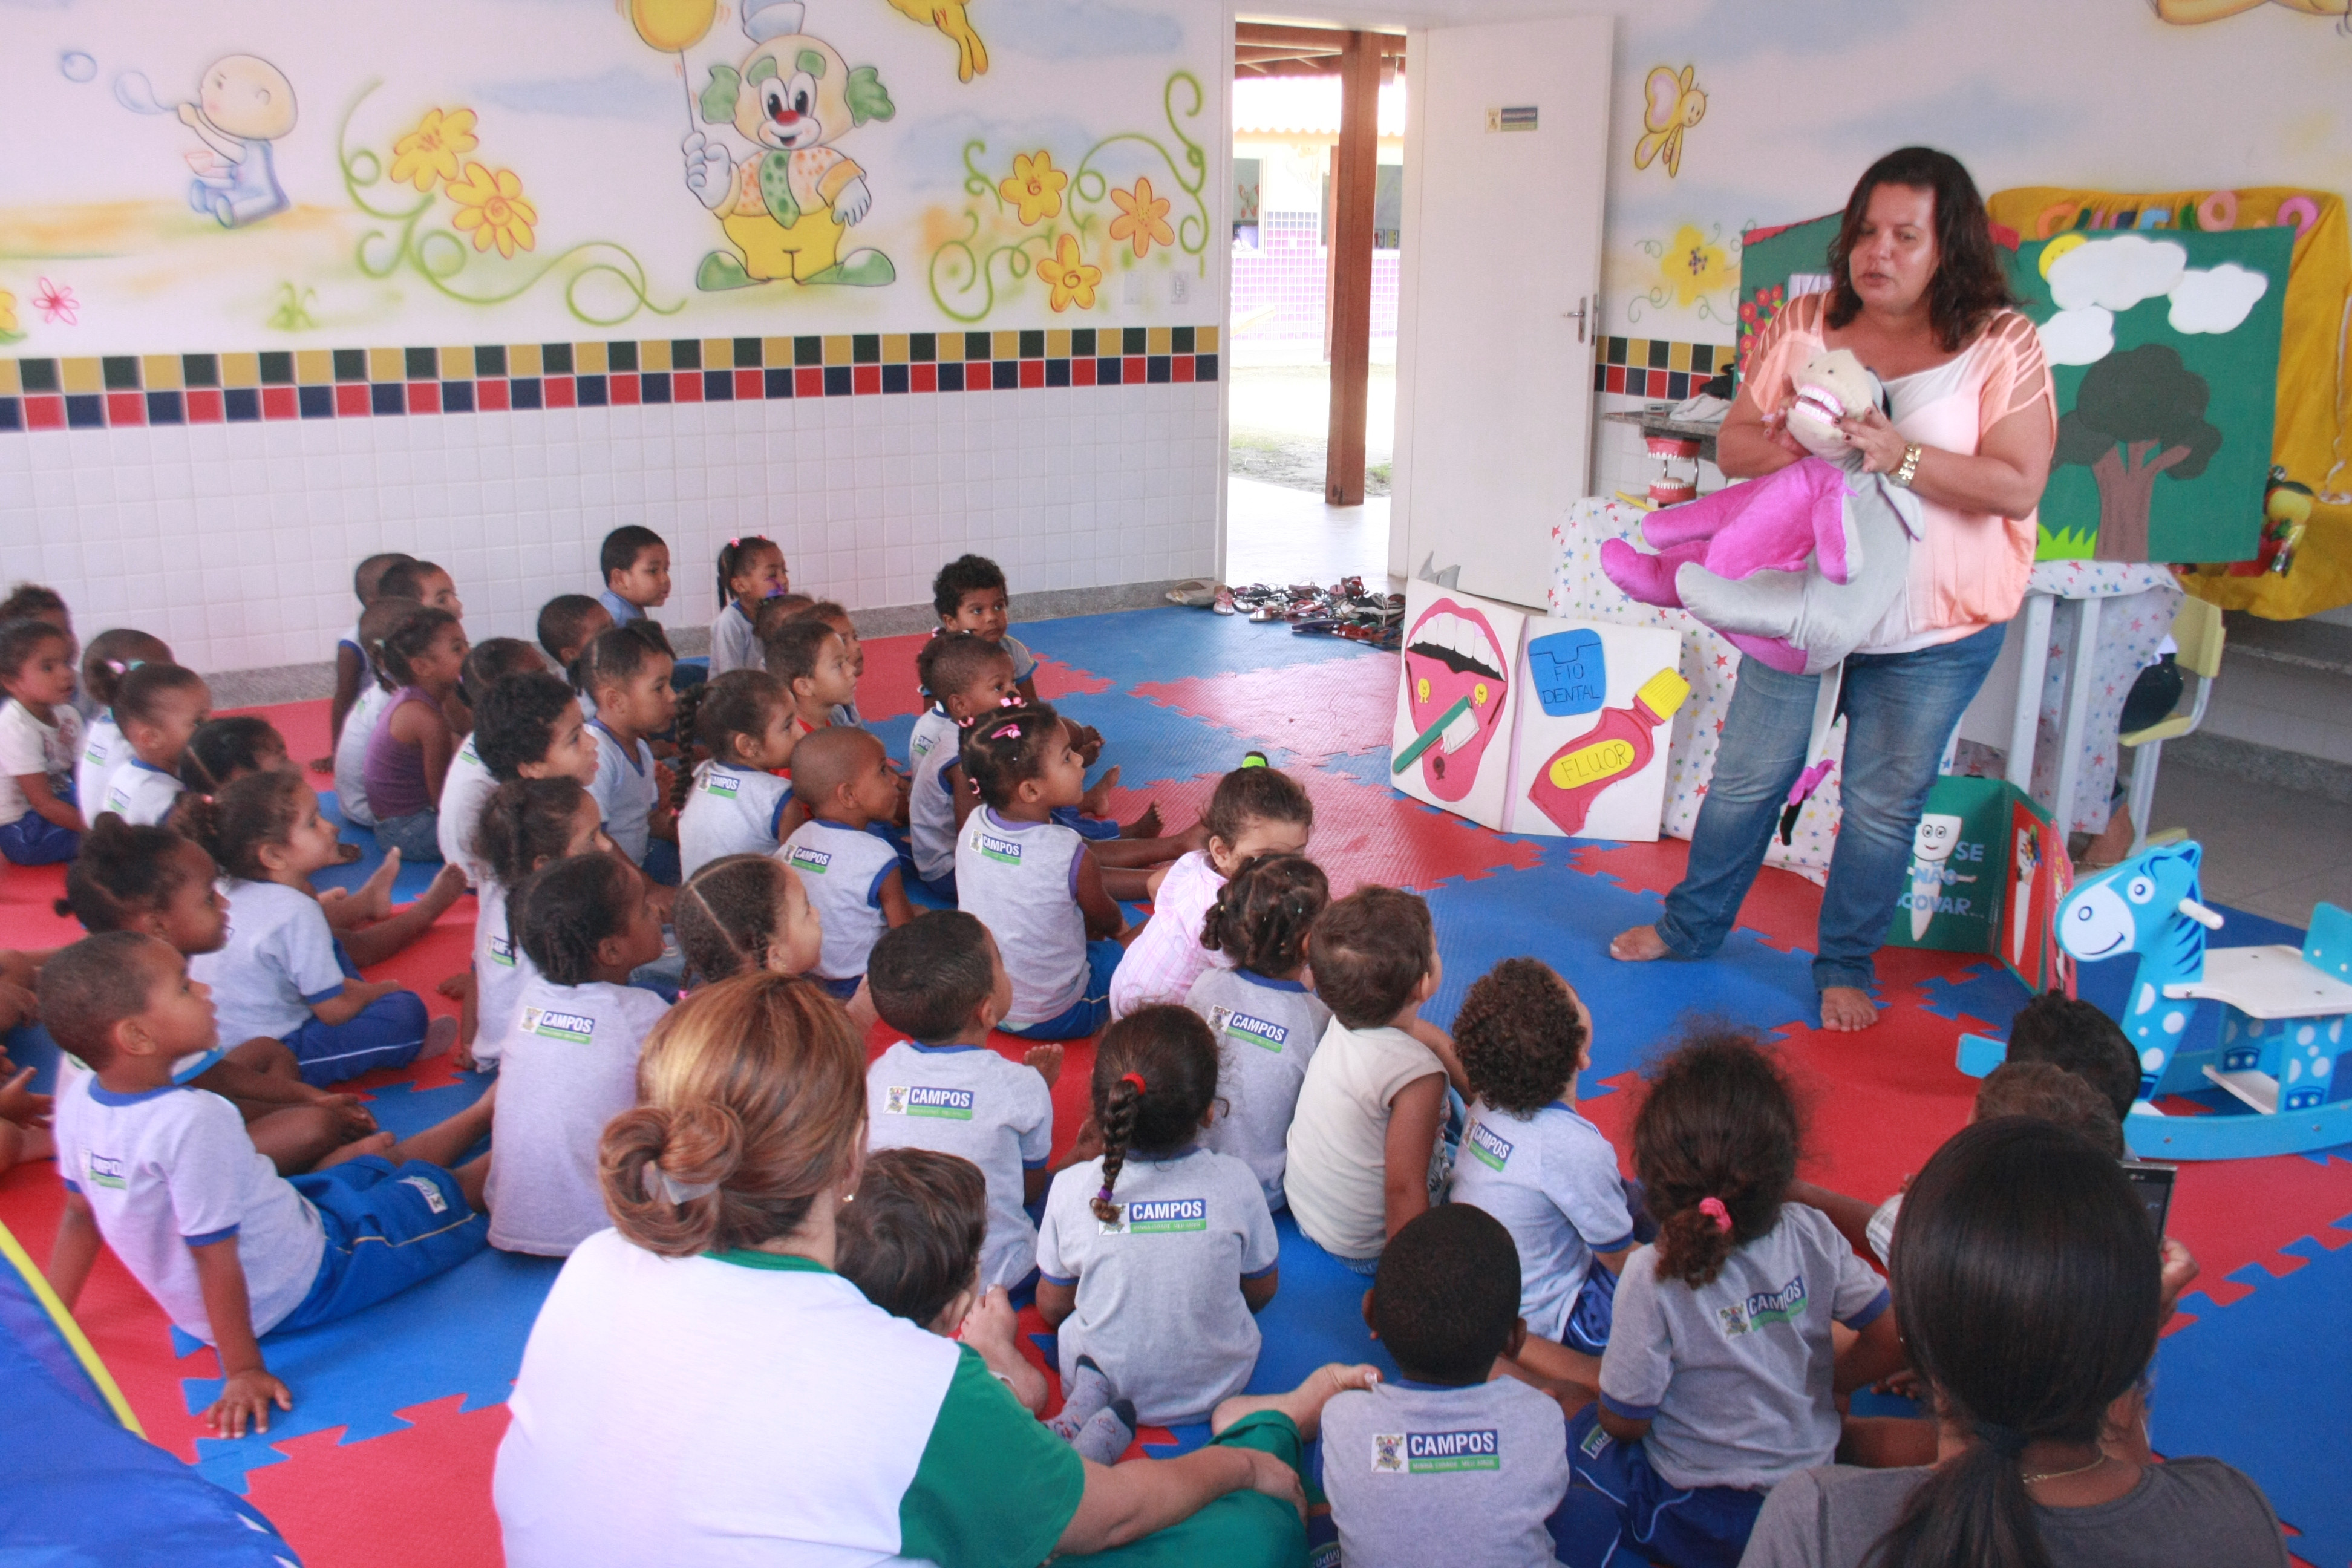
(1795, 568)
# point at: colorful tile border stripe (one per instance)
(128, 390)
(1657, 368)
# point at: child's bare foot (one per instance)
(347, 854)
(1846, 1008)
(1095, 802)
(1639, 945)
(373, 1143)
(1304, 1404)
(448, 885)
(373, 898)
(439, 1036)
(1144, 827)
(1047, 1060)
(455, 986)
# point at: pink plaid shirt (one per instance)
(1168, 957)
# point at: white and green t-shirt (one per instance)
(772, 1416)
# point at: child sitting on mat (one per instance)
(940, 984)
(1532, 1161)
(811, 661)
(1445, 1463)
(526, 823)
(1267, 1021)
(283, 975)
(40, 736)
(1155, 1258)
(377, 622)
(567, 623)
(751, 571)
(965, 675)
(230, 1249)
(854, 649)
(110, 657)
(843, 780)
(742, 912)
(354, 671)
(634, 562)
(469, 781)
(628, 672)
(160, 707)
(1719, 1378)
(1363, 1150)
(571, 1064)
(408, 753)
(1033, 882)
(1255, 811)
(738, 801)
(911, 1241)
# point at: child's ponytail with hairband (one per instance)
(751, 1103)
(1715, 1145)
(1006, 748)
(731, 556)
(1155, 1079)
(1261, 917)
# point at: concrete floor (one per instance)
(1276, 535)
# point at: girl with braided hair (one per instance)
(1153, 1256)
(526, 823)
(585, 924)
(743, 912)
(1259, 1005)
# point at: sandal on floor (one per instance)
(1197, 594)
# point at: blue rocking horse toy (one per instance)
(2284, 1014)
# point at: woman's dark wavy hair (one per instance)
(1970, 287)
(2026, 1284)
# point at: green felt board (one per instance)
(1767, 264)
(2217, 514)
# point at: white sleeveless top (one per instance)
(1021, 881)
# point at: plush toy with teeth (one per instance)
(1798, 567)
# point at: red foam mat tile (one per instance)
(418, 1494)
(1335, 709)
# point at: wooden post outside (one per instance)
(1353, 183)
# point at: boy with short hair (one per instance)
(354, 671)
(941, 983)
(911, 1242)
(1373, 1104)
(842, 779)
(634, 562)
(2076, 1036)
(167, 1175)
(1444, 1465)
(969, 595)
(567, 623)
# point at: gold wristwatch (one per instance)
(1902, 475)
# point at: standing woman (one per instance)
(1920, 299)
(702, 1387)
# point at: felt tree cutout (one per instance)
(2140, 414)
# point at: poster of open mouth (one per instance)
(1458, 702)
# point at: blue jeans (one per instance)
(1900, 709)
(417, 836)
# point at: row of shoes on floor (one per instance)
(1346, 609)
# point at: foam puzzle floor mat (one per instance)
(386, 1457)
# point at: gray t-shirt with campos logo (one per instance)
(967, 1101)
(1551, 1178)
(1267, 1031)
(1734, 1375)
(1419, 1473)
(1159, 1304)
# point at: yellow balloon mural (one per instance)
(672, 26)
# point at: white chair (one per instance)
(2199, 631)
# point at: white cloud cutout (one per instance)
(2115, 274)
(2083, 336)
(2216, 300)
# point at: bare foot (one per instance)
(1144, 827)
(447, 887)
(455, 986)
(1304, 1404)
(1047, 1060)
(1096, 800)
(373, 1143)
(1846, 1008)
(2112, 846)
(373, 898)
(1639, 945)
(439, 1036)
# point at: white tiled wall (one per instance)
(235, 543)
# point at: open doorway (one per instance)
(1296, 316)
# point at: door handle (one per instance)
(1577, 316)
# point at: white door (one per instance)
(1501, 248)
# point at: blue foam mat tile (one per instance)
(1364, 767)
(1635, 1006)
(1131, 647)
(894, 734)
(2233, 1382)
(1983, 992)
(1152, 744)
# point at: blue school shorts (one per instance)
(1091, 1011)
(840, 990)
(34, 840)
(1618, 1508)
(388, 1228)
(1595, 1309)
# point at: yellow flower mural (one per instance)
(434, 149)
(1034, 187)
(491, 206)
(10, 331)
(1071, 279)
(1141, 218)
(1692, 268)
